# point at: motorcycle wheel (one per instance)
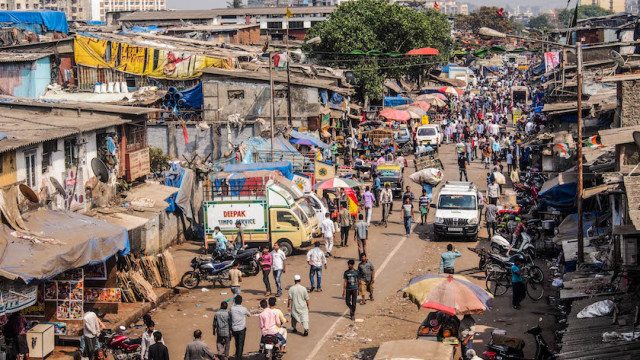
(223, 280)
(190, 279)
(253, 270)
(535, 274)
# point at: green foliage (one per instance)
(159, 161)
(486, 16)
(584, 12)
(379, 25)
(541, 22)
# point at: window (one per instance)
(70, 153)
(274, 25)
(235, 94)
(296, 24)
(18, 6)
(286, 218)
(30, 165)
(48, 148)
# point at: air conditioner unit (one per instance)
(629, 251)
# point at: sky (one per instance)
(212, 4)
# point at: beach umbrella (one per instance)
(437, 102)
(428, 97)
(422, 105)
(448, 90)
(426, 51)
(450, 294)
(395, 114)
(416, 112)
(337, 183)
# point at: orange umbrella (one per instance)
(395, 114)
(422, 105)
(427, 51)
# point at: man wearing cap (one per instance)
(299, 306)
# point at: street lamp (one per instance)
(485, 31)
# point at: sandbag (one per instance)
(600, 308)
(499, 178)
(431, 176)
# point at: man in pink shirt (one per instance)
(369, 200)
(270, 323)
(266, 262)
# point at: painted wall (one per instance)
(25, 79)
(8, 175)
(200, 141)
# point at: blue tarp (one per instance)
(396, 100)
(311, 138)
(140, 29)
(96, 22)
(36, 21)
(285, 168)
(173, 178)
(561, 196)
(193, 97)
(336, 101)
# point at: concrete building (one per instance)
(239, 34)
(272, 20)
(100, 8)
(617, 6)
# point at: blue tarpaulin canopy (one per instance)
(560, 192)
(36, 21)
(315, 141)
(193, 97)
(396, 100)
(285, 168)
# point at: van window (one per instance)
(300, 214)
(304, 204)
(429, 131)
(314, 203)
(457, 202)
(286, 218)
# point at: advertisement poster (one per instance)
(37, 309)
(102, 295)
(96, 271)
(69, 310)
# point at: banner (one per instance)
(551, 60)
(324, 171)
(352, 201)
(142, 60)
(303, 183)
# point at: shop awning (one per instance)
(57, 241)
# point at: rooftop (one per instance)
(7, 102)
(213, 28)
(10, 56)
(212, 13)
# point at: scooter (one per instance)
(504, 351)
(500, 245)
(270, 347)
(205, 268)
(120, 345)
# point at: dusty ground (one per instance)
(390, 317)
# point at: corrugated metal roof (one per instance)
(10, 56)
(24, 128)
(8, 101)
(210, 14)
(213, 28)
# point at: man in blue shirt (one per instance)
(377, 186)
(448, 260)
(221, 241)
(517, 283)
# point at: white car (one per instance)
(457, 211)
(429, 135)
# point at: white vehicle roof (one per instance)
(459, 188)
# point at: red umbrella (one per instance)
(394, 114)
(422, 105)
(427, 51)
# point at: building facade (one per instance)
(617, 6)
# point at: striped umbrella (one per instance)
(451, 294)
(337, 183)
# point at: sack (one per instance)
(600, 308)
(430, 176)
(499, 178)
(515, 177)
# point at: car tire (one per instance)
(286, 247)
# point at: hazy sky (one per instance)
(211, 4)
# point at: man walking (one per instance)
(407, 215)
(197, 349)
(266, 262)
(345, 224)
(147, 340)
(328, 229)
(462, 166)
(299, 306)
(361, 234)
(278, 257)
(493, 191)
(377, 185)
(239, 316)
(448, 260)
(386, 198)
(316, 260)
(365, 276)
(423, 206)
(490, 217)
(158, 351)
(350, 288)
(235, 275)
(222, 330)
(517, 283)
(369, 201)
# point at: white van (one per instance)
(429, 135)
(457, 212)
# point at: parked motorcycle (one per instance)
(205, 268)
(246, 258)
(505, 348)
(500, 245)
(120, 345)
(270, 347)
(490, 262)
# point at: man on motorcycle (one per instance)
(269, 322)
(221, 241)
(517, 232)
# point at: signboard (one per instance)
(15, 296)
(425, 119)
(303, 183)
(516, 114)
(252, 215)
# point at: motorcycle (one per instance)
(205, 268)
(506, 348)
(120, 345)
(500, 245)
(490, 262)
(270, 347)
(246, 258)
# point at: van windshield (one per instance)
(426, 131)
(457, 202)
(304, 204)
(298, 211)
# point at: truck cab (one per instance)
(457, 213)
(391, 174)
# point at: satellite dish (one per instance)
(56, 184)
(28, 193)
(100, 170)
(636, 138)
(620, 62)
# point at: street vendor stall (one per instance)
(376, 142)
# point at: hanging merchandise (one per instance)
(551, 60)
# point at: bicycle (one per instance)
(498, 283)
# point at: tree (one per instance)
(235, 4)
(584, 12)
(541, 22)
(486, 16)
(370, 37)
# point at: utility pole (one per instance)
(286, 45)
(272, 112)
(580, 179)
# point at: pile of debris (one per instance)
(139, 276)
